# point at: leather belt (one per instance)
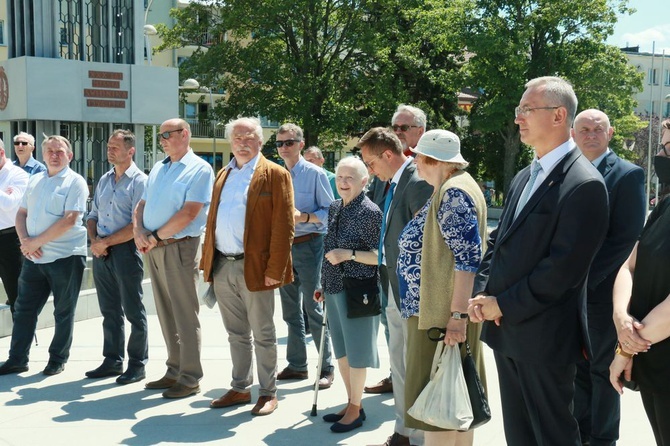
(169, 241)
(231, 257)
(306, 238)
(6, 231)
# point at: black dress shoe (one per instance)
(105, 370)
(132, 375)
(53, 368)
(11, 366)
(341, 428)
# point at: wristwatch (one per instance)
(458, 315)
(353, 254)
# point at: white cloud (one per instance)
(645, 39)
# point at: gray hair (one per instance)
(315, 150)
(558, 91)
(28, 136)
(251, 122)
(290, 127)
(419, 115)
(355, 163)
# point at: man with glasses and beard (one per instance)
(168, 222)
(312, 195)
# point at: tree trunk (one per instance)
(512, 147)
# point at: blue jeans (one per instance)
(307, 258)
(118, 281)
(62, 278)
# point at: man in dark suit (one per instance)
(382, 153)
(596, 402)
(531, 286)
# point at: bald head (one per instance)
(592, 133)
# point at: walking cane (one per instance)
(318, 367)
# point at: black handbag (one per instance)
(362, 297)
(480, 405)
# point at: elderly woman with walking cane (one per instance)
(350, 248)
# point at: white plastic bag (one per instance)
(445, 401)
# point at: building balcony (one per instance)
(203, 128)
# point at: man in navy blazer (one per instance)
(596, 402)
(382, 153)
(531, 286)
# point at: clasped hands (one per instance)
(484, 308)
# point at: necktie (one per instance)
(387, 205)
(535, 169)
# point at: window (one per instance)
(666, 78)
(652, 76)
(2, 32)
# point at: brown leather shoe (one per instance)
(396, 440)
(326, 380)
(289, 373)
(383, 386)
(163, 383)
(180, 390)
(231, 398)
(265, 405)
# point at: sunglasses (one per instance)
(21, 143)
(287, 143)
(166, 135)
(404, 127)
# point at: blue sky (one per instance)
(650, 23)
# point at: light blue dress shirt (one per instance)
(47, 199)
(313, 194)
(170, 185)
(113, 203)
(32, 166)
(231, 215)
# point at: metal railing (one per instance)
(203, 129)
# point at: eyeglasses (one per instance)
(21, 143)
(287, 143)
(373, 161)
(166, 135)
(525, 110)
(404, 127)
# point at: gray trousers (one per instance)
(174, 277)
(245, 313)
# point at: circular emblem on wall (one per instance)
(4, 89)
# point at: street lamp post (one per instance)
(192, 84)
(150, 30)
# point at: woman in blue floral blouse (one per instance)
(350, 246)
(440, 251)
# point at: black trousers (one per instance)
(10, 265)
(597, 404)
(657, 407)
(536, 403)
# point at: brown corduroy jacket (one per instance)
(269, 227)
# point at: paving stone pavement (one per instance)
(68, 409)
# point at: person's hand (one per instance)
(99, 247)
(627, 332)
(269, 281)
(31, 248)
(484, 308)
(318, 295)
(297, 216)
(338, 255)
(620, 364)
(455, 331)
(142, 241)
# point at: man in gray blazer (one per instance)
(382, 153)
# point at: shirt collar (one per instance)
(549, 160)
(184, 159)
(399, 172)
(252, 164)
(596, 162)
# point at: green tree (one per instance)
(513, 41)
(306, 61)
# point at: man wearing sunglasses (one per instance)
(168, 222)
(408, 123)
(13, 183)
(24, 145)
(313, 195)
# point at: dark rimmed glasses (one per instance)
(166, 135)
(404, 127)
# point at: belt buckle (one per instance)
(231, 258)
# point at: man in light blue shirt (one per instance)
(168, 222)
(313, 195)
(24, 144)
(117, 264)
(53, 242)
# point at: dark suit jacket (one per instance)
(410, 194)
(268, 227)
(627, 210)
(537, 264)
